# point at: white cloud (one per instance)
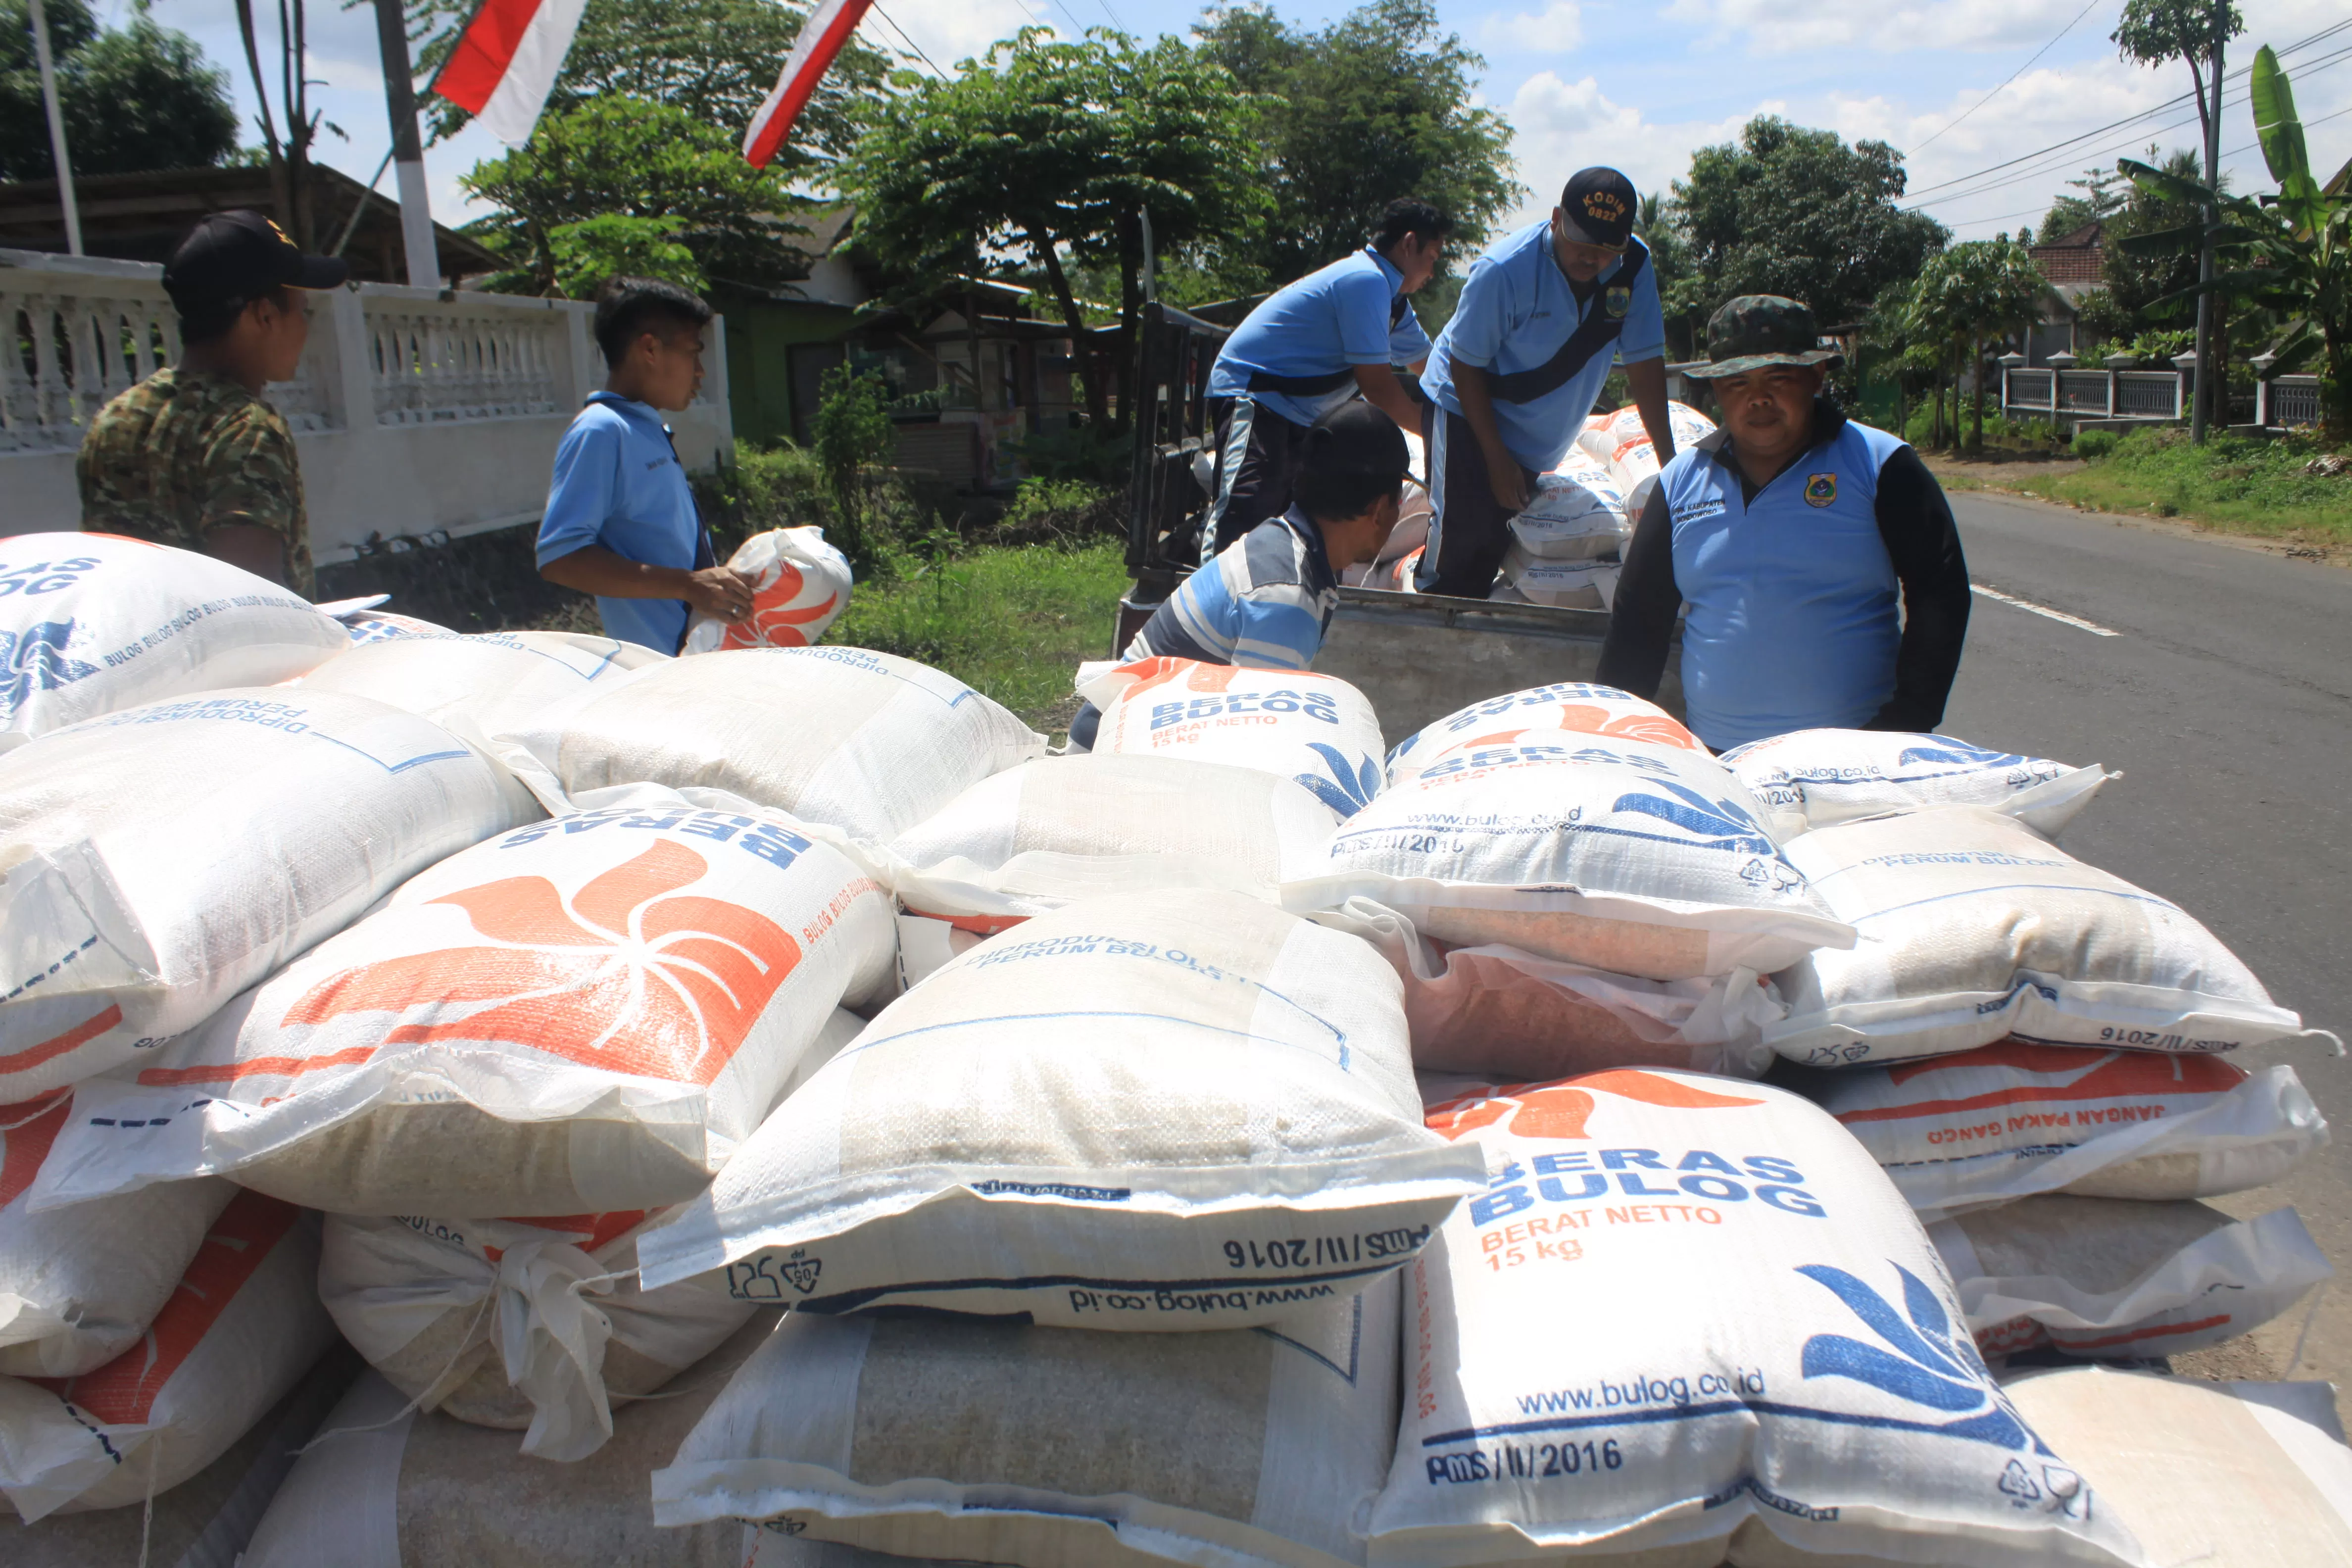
(1769, 27)
(1561, 126)
(1555, 30)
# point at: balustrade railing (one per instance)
(2029, 388)
(2148, 393)
(453, 364)
(2085, 391)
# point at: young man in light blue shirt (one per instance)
(621, 522)
(1307, 349)
(1542, 318)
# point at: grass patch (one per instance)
(1010, 622)
(2232, 484)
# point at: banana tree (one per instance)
(2289, 251)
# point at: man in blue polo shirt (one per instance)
(1309, 348)
(1541, 318)
(621, 521)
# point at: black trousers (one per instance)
(1469, 529)
(1257, 464)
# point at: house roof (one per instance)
(2079, 257)
(141, 218)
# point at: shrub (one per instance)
(2093, 445)
(1059, 511)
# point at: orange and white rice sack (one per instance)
(1620, 855)
(800, 585)
(478, 686)
(2118, 1279)
(1180, 1109)
(1411, 530)
(1690, 1319)
(868, 743)
(2009, 1120)
(1575, 515)
(1572, 707)
(94, 622)
(79, 1284)
(1495, 1009)
(1819, 778)
(163, 859)
(1621, 442)
(1049, 833)
(533, 1324)
(1293, 724)
(242, 1328)
(584, 1015)
(1001, 1442)
(1973, 927)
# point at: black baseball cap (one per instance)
(230, 260)
(1598, 207)
(1355, 438)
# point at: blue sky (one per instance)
(1637, 85)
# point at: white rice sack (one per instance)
(478, 686)
(241, 1330)
(2121, 1279)
(536, 1324)
(2221, 1475)
(1563, 585)
(1411, 530)
(868, 743)
(1570, 518)
(1175, 1109)
(1495, 1010)
(1689, 1318)
(1001, 1442)
(1621, 442)
(387, 1485)
(94, 622)
(1573, 706)
(1060, 830)
(1619, 855)
(1819, 778)
(383, 626)
(163, 859)
(800, 585)
(78, 1286)
(1973, 927)
(2010, 1119)
(585, 1015)
(1293, 724)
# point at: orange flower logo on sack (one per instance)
(1194, 675)
(630, 975)
(773, 622)
(1560, 1110)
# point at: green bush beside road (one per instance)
(2233, 484)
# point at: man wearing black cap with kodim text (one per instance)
(1790, 532)
(1542, 316)
(192, 456)
(1264, 600)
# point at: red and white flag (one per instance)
(821, 37)
(505, 64)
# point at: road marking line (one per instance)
(2093, 627)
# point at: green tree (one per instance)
(134, 98)
(2103, 191)
(623, 157)
(852, 434)
(1970, 293)
(1797, 211)
(2290, 251)
(1682, 292)
(588, 251)
(1054, 150)
(1377, 105)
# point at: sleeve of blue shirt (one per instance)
(1363, 305)
(1481, 316)
(581, 494)
(1643, 335)
(1407, 341)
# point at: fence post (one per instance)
(2262, 363)
(2184, 367)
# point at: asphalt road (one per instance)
(2225, 698)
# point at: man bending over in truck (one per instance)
(621, 522)
(1264, 600)
(1790, 532)
(1307, 349)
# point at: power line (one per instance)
(1112, 15)
(2012, 76)
(908, 39)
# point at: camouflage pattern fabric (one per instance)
(178, 454)
(1752, 331)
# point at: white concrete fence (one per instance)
(414, 412)
(2062, 389)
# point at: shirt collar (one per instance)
(629, 408)
(1318, 562)
(1389, 269)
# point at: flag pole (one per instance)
(57, 129)
(408, 150)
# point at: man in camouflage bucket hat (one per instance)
(192, 456)
(1790, 532)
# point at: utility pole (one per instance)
(57, 129)
(408, 150)
(2199, 417)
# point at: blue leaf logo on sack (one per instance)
(1922, 1362)
(1713, 825)
(1349, 788)
(1960, 754)
(36, 660)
